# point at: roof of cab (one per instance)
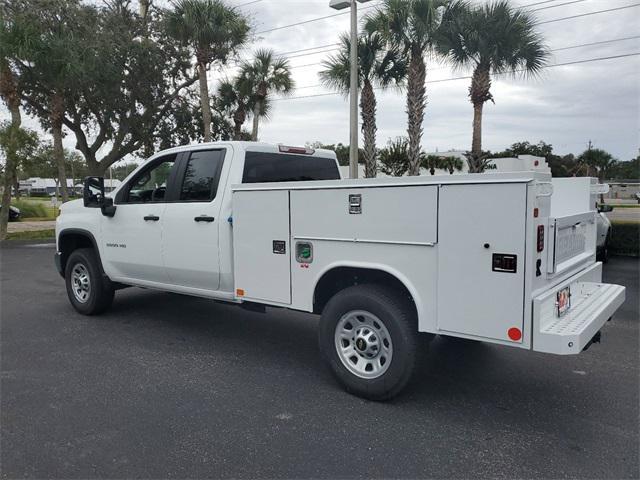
(246, 146)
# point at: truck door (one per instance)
(191, 221)
(131, 239)
(481, 259)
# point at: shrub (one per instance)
(32, 209)
(625, 238)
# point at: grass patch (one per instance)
(33, 235)
(624, 205)
(31, 209)
(625, 238)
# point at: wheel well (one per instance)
(69, 242)
(340, 278)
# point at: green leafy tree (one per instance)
(134, 78)
(491, 38)
(16, 145)
(268, 75)
(214, 31)
(236, 97)
(431, 162)
(411, 27)
(377, 66)
(342, 152)
(12, 31)
(597, 162)
(451, 164)
(53, 63)
(43, 163)
(394, 158)
(627, 170)
(561, 166)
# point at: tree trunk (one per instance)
(204, 100)
(239, 118)
(57, 113)
(9, 93)
(479, 94)
(369, 128)
(416, 104)
(143, 8)
(256, 120)
(476, 143)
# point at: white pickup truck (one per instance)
(506, 258)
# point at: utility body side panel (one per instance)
(478, 228)
(261, 247)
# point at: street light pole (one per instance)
(353, 94)
(353, 83)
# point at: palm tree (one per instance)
(431, 162)
(267, 74)
(394, 158)
(597, 162)
(451, 164)
(236, 97)
(215, 31)
(411, 26)
(377, 66)
(491, 39)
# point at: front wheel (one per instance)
(89, 291)
(368, 335)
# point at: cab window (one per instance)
(279, 167)
(150, 184)
(201, 176)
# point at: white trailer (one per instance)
(505, 258)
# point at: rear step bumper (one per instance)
(592, 304)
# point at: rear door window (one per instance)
(201, 176)
(280, 167)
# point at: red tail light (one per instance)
(540, 238)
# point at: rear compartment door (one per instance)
(261, 250)
(481, 260)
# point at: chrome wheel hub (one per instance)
(80, 283)
(363, 344)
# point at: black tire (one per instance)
(398, 317)
(100, 293)
(602, 255)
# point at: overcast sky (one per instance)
(566, 106)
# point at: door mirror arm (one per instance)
(108, 209)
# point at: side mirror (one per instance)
(605, 208)
(93, 192)
(94, 197)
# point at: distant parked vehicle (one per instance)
(14, 213)
(603, 237)
(638, 197)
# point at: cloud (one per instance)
(566, 106)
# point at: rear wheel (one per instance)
(369, 338)
(89, 290)
(603, 252)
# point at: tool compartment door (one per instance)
(261, 252)
(481, 259)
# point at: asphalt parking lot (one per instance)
(165, 386)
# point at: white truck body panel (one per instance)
(437, 235)
(260, 220)
(472, 298)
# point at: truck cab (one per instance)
(173, 220)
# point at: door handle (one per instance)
(204, 218)
(153, 218)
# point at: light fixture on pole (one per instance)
(353, 83)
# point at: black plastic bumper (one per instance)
(57, 258)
